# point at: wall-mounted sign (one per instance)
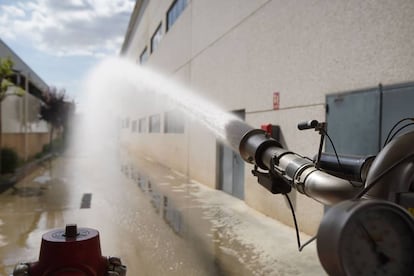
(276, 100)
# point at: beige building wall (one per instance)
(21, 128)
(21, 114)
(238, 52)
(30, 145)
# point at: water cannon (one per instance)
(328, 178)
(256, 147)
(372, 198)
(71, 251)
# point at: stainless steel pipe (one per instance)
(259, 149)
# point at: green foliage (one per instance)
(46, 148)
(5, 84)
(39, 155)
(6, 70)
(9, 160)
(6, 67)
(56, 110)
(57, 145)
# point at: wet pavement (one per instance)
(157, 220)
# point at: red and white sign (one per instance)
(276, 100)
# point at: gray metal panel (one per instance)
(353, 121)
(231, 172)
(238, 176)
(226, 170)
(231, 168)
(397, 103)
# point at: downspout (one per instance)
(25, 108)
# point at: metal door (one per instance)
(231, 169)
(353, 122)
(397, 104)
(358, 122)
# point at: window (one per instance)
(173, 122)
(156, 38)
(175, 11)
(144, 56)
(134, 126)
(126, 124)
(155, 123)
(142, 125)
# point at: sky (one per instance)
(61, 40)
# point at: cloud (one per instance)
(70, 27)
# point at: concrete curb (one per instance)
(22, 172)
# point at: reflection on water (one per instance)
(162, 205)
(172, 216)
(24, 216)
(216, 227)
(27, 191)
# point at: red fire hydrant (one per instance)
(71, 252)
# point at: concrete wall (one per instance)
(21, 128)
(17, 141)
(238, 52)
(13, 115)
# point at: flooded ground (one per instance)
(158, 221)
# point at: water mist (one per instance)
(118, 88)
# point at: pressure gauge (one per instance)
(366, 237)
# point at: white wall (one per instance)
(12, 115)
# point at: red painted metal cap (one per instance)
(71, 251)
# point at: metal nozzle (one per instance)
(257, 148)
(253, 144)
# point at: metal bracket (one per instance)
(272, 182)
(115, 267)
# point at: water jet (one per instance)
(277, 169)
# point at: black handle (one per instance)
(308, 125)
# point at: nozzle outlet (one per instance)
(253, 144)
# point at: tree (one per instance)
(56, 110)
(6, 70)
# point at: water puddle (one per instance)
(239, 240)
(28, 191)
(43, 179)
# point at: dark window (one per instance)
(156, 38)
(142, 125)
(134, 126)
(155, 123)
(173, 122)
(126, 123)
(144, 56)
(175, 11)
